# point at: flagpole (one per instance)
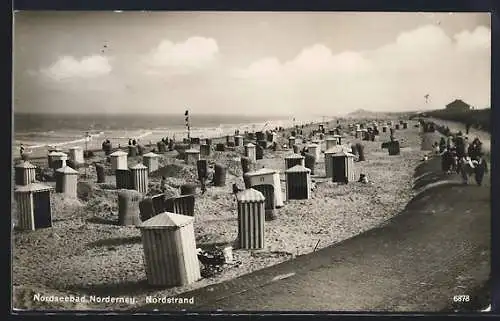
(87, 136)
(188, 128)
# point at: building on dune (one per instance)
(458, 106)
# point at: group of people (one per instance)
(457, 155)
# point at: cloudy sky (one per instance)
(248, 62)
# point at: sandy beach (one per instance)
(86, 253)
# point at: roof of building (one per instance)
(25, 164)
(334, 149)
(66, 170)
(167, 220)
(150, 154)
(118, 153)
(458, 102)
(138, 166)
(192, 151)
(294, 156)
(250, 195)
(261, 171)
(57, 154)
(343, 153)
(298, 169)
(33, 187)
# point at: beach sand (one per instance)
(85, 254)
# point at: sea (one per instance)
(38, 132)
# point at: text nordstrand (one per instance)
(83, 299)
(169, 300)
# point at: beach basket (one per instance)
(34, 209)
(25, 173)
(259, 152)
(123, 179)
(183, 204)
(360, 152)
(66, 181)
(247, 165)
(132, 151)
(295, 159)
(220, 175)
(202, 167)
(128, 207)
(99, 168)
(220, 147)
(188, 189)
(251, 219)
(146, 209)
(169, 245)
(342, 165)
(393, 148)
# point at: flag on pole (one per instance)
(186, 113)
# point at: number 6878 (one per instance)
(461, 298)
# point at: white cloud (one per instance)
(265, 68)
(194, 53)
(68, 67)
(479, 39)
(393, 76)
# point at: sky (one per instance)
(248, 63)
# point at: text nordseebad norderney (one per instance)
(109, 299)
(83, 299)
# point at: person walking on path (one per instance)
(436, 148)
(480, 168)
(442, 145)
(467, 168)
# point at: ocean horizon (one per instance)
(39, 130)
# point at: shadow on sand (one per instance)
(116, 241)
(100, 220)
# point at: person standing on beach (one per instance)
(21, 150)
(203, 186)
(163, 184)
(130, 142)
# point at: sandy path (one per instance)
(484, 136)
